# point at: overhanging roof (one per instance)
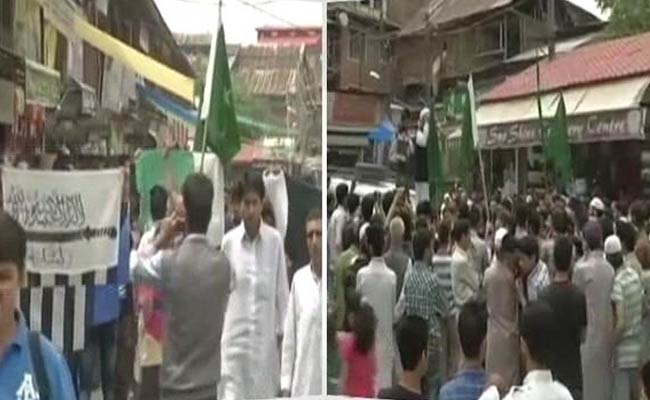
(610, 96)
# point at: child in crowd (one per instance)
(357, 349)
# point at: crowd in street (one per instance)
(539, 296)
(230, 322)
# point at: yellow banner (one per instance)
(143, 65)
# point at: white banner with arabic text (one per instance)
(72, 218)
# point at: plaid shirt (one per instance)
(424, 297)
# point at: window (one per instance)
(490, 38)
(357, 45)
(6, 14)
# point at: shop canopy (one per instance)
(607, 111)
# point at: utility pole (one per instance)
(551, 28)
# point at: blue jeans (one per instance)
(100, 345)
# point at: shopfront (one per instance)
(607, 126)
(12, 95)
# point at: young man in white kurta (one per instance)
(377, 284)
(301, 346)
(258, 303)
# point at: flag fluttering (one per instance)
(434, 161)
(218, 116)
(558, 148)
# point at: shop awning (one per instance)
(603, 112)
(155, 71)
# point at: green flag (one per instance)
(559, 150)
(467, 142)
(434, 161)
(221, 119)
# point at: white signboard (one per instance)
(71, 218)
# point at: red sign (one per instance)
(356, 109)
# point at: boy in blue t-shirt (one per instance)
(18, 377)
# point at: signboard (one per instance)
(43, 85)
(587, 128)
(355, 109)
(71, 218)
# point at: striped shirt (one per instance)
(628, 291)
(442, 270)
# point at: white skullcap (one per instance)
(597, 204)
(613, 245)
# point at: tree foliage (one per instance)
(628, 17)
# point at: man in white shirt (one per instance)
(256, 312)
(465, 278)
(377, 284)
(301, 345)
(337, 222)
(536, 327)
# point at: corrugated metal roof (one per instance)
(599, 62)
(441, 12)
(268, 70)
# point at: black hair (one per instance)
(509, 243)
(421, 223)
(367, 207)
(387, 201)
(365, 324)
(421, 242)
(535, 223)
(593, 234)
(472, 327)
(607, 225)
(253, 183)
(616, 260)
(536, 326)
(424, 208)
(627, 233)
(341, 192)
(197, 196)
(638, 212)
(563, 253)
(352, 203)
(237, 192)
(158, 201)
(463, 210)
(375, 239)
(474, 216)
(412, 341)
(521, 213)
(529, 246)
(13, 242)
(314, 215)
(622, 207)
(444, 232)
(559, 221)
(461, 228)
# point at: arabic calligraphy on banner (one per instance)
(600, 127)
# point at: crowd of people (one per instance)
(527, 297)
(210, 319)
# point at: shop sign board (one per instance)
(587, 128)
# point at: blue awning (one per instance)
(385, 132)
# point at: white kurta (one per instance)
(378, 286)
(250, 359)
(301, 346)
